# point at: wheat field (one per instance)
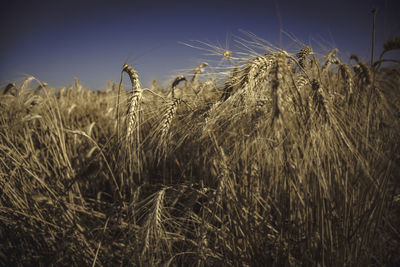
(292, 160)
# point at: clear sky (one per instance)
(56, 41)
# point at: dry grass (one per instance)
(293, 161)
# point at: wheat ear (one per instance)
(365, 72)
(39, 88)
(26, 82)
(175, 84)
(319, 106)
(249, 79)
(134, 103)
(392, 44)
(197, 71)
(346, 75)
(278, 71)
(169, 115)
(303, 54)
(230, 84)
(9, 88)
(329, 59)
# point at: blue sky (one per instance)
(56, 41)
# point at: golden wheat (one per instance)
(274, 168)
(347, 77)
(197, 71)
(9, 88)
(175, 83)
(134, 100)
(330, 58)
(167, 119)
(304, 53)
(391, 44)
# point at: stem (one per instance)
(373, 35)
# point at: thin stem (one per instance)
(373, 35)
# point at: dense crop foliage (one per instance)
(293, 160)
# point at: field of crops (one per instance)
(293, 159)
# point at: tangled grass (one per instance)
(293, 161)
